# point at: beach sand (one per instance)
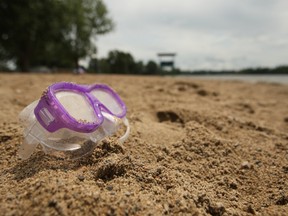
(196, 148)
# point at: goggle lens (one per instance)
(77, 106)
(108, 100)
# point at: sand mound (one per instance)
(196, 147)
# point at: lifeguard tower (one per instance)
(166, 61)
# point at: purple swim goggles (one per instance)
(54, 108)
(69, 119)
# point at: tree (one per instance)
(151, 67)
(121, 62)
(22, 24)
(88, 18)
(140, 67)
(50, 32)
(104, 66)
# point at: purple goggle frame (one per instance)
(53, 116)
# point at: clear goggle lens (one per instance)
(108, 100)
(79, 107)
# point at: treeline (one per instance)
(276, 70)
(122, 63)
(260, 70)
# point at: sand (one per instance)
(196, 148)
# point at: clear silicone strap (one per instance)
(28, 144)
(126, 135)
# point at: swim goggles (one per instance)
(70, 118)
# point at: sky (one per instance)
(206, 34)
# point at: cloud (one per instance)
(237, 34)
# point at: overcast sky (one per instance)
(206, 34)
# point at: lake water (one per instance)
(283, 79)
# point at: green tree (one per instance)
(140, 67)
(121, 62)
(104, 66)
(151, 67)
(50, 32)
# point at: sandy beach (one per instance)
(197, 147)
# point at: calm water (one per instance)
(283, 79)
